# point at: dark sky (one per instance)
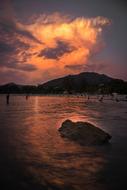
(20, 59)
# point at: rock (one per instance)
(83, 133)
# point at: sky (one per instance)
(41, 40)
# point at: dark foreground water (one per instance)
(33, 156)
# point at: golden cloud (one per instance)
(63, 41)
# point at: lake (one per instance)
(33, 155)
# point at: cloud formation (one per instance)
(54, 44)
(56, 52)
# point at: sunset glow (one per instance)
(55, 45)
(39, 42)
(78, 37)
(63, 94)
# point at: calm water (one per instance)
(33, 156)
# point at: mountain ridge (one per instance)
(90, 82)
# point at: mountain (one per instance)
(84, 82)
(13, 88)
(89, 82)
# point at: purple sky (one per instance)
(34, 47)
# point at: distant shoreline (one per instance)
(83, 83)
(119, 97)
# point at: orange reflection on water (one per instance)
(56, 160)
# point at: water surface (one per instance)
(33, 155)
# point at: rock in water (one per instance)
(83, 133)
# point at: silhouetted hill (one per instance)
(89, 82)
(13, 88)
(84, 82)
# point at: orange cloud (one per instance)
(63, 41)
